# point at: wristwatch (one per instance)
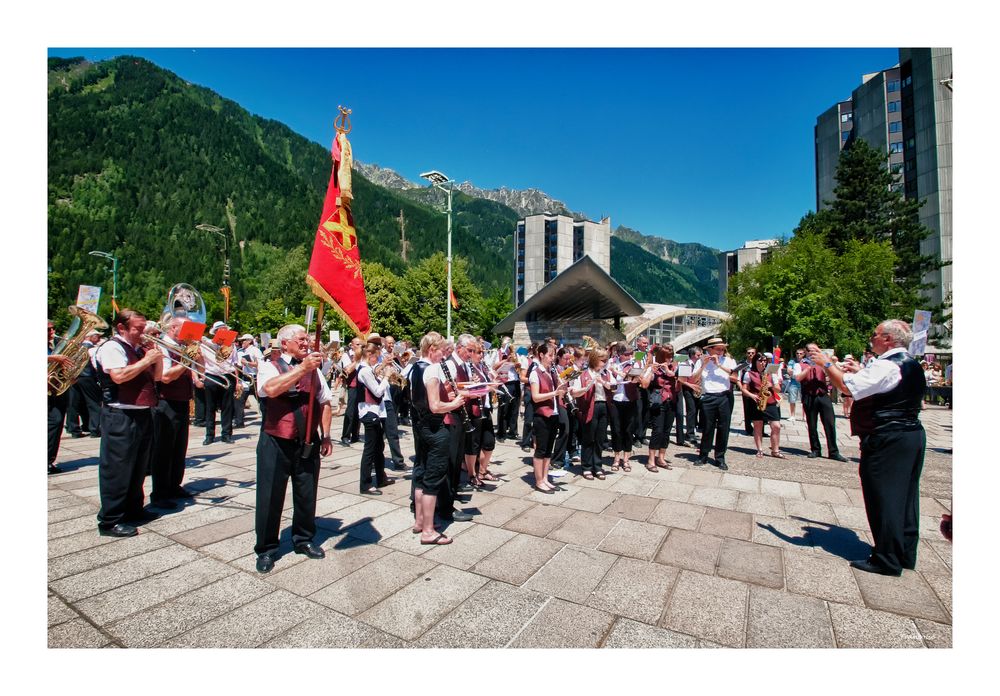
(827, 365)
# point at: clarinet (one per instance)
(463, 415)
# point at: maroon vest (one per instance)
(586, 402)
(666, 385)
(369, 397)
(815, 382)
(754, 386)
(141, 389)
(181, 389)
(280, 418)
(545, 408)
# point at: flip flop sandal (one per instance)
(652, 467)
(600, 475)
(626, 468)
(614, 467)
(777, 455)
(663, 464)
(760, 454)
(588, 475)
(487, 476)
(439, 540)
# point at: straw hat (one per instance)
(713, 342)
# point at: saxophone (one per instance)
(765, 392)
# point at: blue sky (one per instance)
(706, 145)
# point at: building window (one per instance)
(895, 147)
(577, 243)
(893, 106)
(908, 80)
(892, 86)
(896, 127)
(846, 118)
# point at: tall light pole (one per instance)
(114, 278)
(225, 267)
(439, 180)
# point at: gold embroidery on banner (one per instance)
(339, 247)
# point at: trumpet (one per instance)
(187, 355)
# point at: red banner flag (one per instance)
(454, 302)
(335, 267)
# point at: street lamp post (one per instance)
(225, 266)
(439, 180)
(114, 277)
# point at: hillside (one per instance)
(649, 278)
(702, 260)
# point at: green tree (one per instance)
(424, 291)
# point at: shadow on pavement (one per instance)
(833, 539)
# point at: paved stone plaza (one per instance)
(694, 557)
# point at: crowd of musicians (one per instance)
(591, 406)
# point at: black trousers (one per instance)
(199, 407)
(662, 418)
(240, 405)
(126, 439)
(170, 441)
(507, 413)
(640, 421)
(390, 427)
(219, 399)
(352, 426)
(890, 468)
(692, 408)
(57, 415)
(373, 455)
(84, 411)
(278, 460)
(562, 436)
(591, 436)
(456, 460)
(821, 408)
(716, 413)
(748, 408)
(623, 416)
(529, 418)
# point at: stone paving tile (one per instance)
(855, 496)
(670, 513)
(490, 618)
(928, 560)
(632, 507)
(539, 520)
(63, 500)
(563, 624)
(708, 607)
(935, 635)
(501, 510)
(306, 577)
(690, 550)
(702, 477)
(753, 563)
(232, 548)
(325, 507)
(136, 596)
(745, 484)
(909, 595)
(777, 531)
(384, 526)
(723, 498)
(518, 559)
(250, 625)
(590, 500)
(857, 627)
(632, 634)
(929, 506)
(782, 489)
(672, 490)
(92, 582)
(635, 589)
(81, 509)
(572, 574)
(370, 584)
(941, 583)
(630, 484)
(414, 609)
(191, 517)
(361, 514)
(73, 526)
(727, 523)
(149, 628)
(781, 620)
(515, 488)
(825, 578)
(76, 634)
(215, 531)
(940, 545)
(59, 612)
(634, 539)
(88, 559)
(809, 510)
(584, 529)
(473, 546)
(761, 504)
(328, 629)
(825, 494)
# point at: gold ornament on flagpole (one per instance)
(343, 122)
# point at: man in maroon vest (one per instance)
(171, 423)
(289, 384)
(127, 373)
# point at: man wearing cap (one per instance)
(218, 398)
(717, 372)
(248, 357)
(84, 411)
(886, 416)
(282, 453)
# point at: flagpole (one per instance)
(312, 399)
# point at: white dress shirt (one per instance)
(379, 389)
(879, 377)
(715, 380)
(268, 371)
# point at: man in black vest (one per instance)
(885, 416)
(288, 384)
(127, 372)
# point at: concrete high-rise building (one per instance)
(546, 245)
(904, 111)
(732, 262)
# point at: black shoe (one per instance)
(310, 549)
(208, 440)
(459, 516)
(119, 530)
(701, 461)
(181, 492)
(355, 440)
(465, 488)
(869, 567)
(143, 517)
(53, 469)
(721, 463)
(228, 439)
(838, 457)
(371, 491)
(400, 465)
(164, 503)
(812, 455)
(95, 434)
(265, 562)
(76, 435)
(345, 442)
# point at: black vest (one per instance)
(420, 408)
(896, 409)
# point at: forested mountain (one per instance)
(700, 259)
(138, 157)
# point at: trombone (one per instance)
(221, 355)
(185, 355)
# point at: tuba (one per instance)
(84, 322)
